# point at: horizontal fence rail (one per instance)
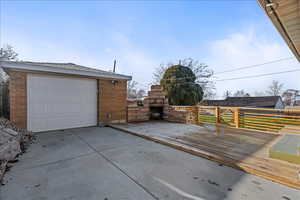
(270, 120)
(262, 119)
(207, 115)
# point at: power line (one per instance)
(237, 69)
(240, 68)
(258, 75)
(245, 77)
(253, 66)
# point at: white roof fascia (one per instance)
(28, 67)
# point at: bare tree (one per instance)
(131, 89)
(259, 93)
(226, 94)
(241, 93)
(159, 72)
(140, 93)
(201, 71)
(133, 92)
(289, 96)
(7, 53)
(275, 89)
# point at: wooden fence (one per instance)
(271, 120)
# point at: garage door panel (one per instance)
(58, 102)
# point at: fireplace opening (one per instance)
(156, 113)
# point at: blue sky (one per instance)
(143, 34)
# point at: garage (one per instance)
(57, 102)
(47, 96)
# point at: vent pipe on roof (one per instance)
(115, 63)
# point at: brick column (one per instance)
(18, 98)
(112, 101)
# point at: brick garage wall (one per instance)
(18, 98)
(112, 101)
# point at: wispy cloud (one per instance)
(89, 34)
(131, 58)
(134, 59)
(251, 46)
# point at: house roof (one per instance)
(285, 15)
(64, 68)
(265, 101)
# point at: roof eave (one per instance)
(25, 67)
(280, 28)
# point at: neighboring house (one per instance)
(291, 97)
(256, 102)
(286, 18)
(297, 101)
(2, 76)
(52, 96)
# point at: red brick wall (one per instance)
(112, 101)
(18, 98)
(183, 114)
(156, 98)
(136, 113)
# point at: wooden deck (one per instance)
(243, 149)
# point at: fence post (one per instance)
(195, 115)
(198, 118)
(217, 112)
(237, 117)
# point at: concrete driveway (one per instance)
(106, 164)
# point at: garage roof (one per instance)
(285, 15)
(63, 68)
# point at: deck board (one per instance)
(244, 149)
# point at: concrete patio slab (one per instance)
(106, 138)
(52, 147)
(130, 168)
(173, 174)
(247, 150)
(88, 177)
(287, 148)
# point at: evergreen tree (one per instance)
(179, 83)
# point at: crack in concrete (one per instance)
(118, 168)
(55, 162)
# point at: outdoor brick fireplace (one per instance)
(153, 107)
(156, 113)
(157, 101)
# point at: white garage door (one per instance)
(57, 102)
